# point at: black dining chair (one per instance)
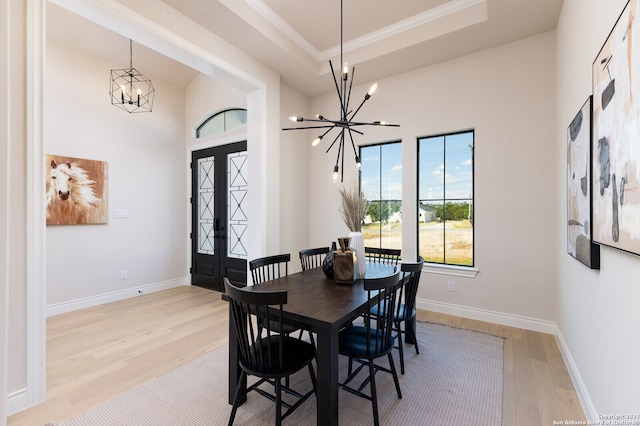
(268, 354)
(382, 255)
(373, 340)
(269, 268)
(405, 309)
(312, 258)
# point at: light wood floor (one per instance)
(98, 353)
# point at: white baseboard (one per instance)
(526, 323)
(581, 389)
(16, 401)
(87, 302)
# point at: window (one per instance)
(222, 122)
(445, 198)
(381, 184)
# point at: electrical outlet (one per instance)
(451, 286)
(124, 274)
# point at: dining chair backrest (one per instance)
(312, 258)
(411, 279)
(269, 268)
(255, 341)
(382, 292)
(382, 255)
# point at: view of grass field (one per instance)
(458, 243)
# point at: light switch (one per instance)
(121, 213)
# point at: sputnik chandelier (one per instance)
(130, 90)
(346, 123)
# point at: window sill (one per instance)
(459, 271)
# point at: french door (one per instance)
(219, 219)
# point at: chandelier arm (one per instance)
(358, 109)
(339, 150)
(346, 106)
(318, 120)
(375, 123)
(327, 131)
(342, 149)
(354, 130)
(310, 127)
(332, 143)
(335, 82)
(353, 144)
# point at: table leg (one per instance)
(234, 367)
(327, 390)
(410, 331)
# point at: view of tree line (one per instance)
(382, 210)
(453, 211)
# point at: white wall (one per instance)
(598, 314)
(507, 95)
(294, 180)
(206, 96)
(146, 176)
(4, 204)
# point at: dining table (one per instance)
(318, 304)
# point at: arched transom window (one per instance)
(223, 122)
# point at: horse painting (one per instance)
(76, 191)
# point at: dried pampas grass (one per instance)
(352, 207)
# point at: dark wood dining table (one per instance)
(315, 303)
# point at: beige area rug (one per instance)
(455, 380)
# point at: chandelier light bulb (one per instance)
(371, 91)
(316, 141)
(358, 163)
(345, 71)
(294, 118)
(335, 174)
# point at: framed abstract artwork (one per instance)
(579, 218)
(76, 191)
(616, 137)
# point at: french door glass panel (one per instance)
(206, 206)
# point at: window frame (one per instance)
(443, 267)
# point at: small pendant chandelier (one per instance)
(345, 124)
(130, 90)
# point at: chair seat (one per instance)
(353, 342)
(296, 354)
(402, 315)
